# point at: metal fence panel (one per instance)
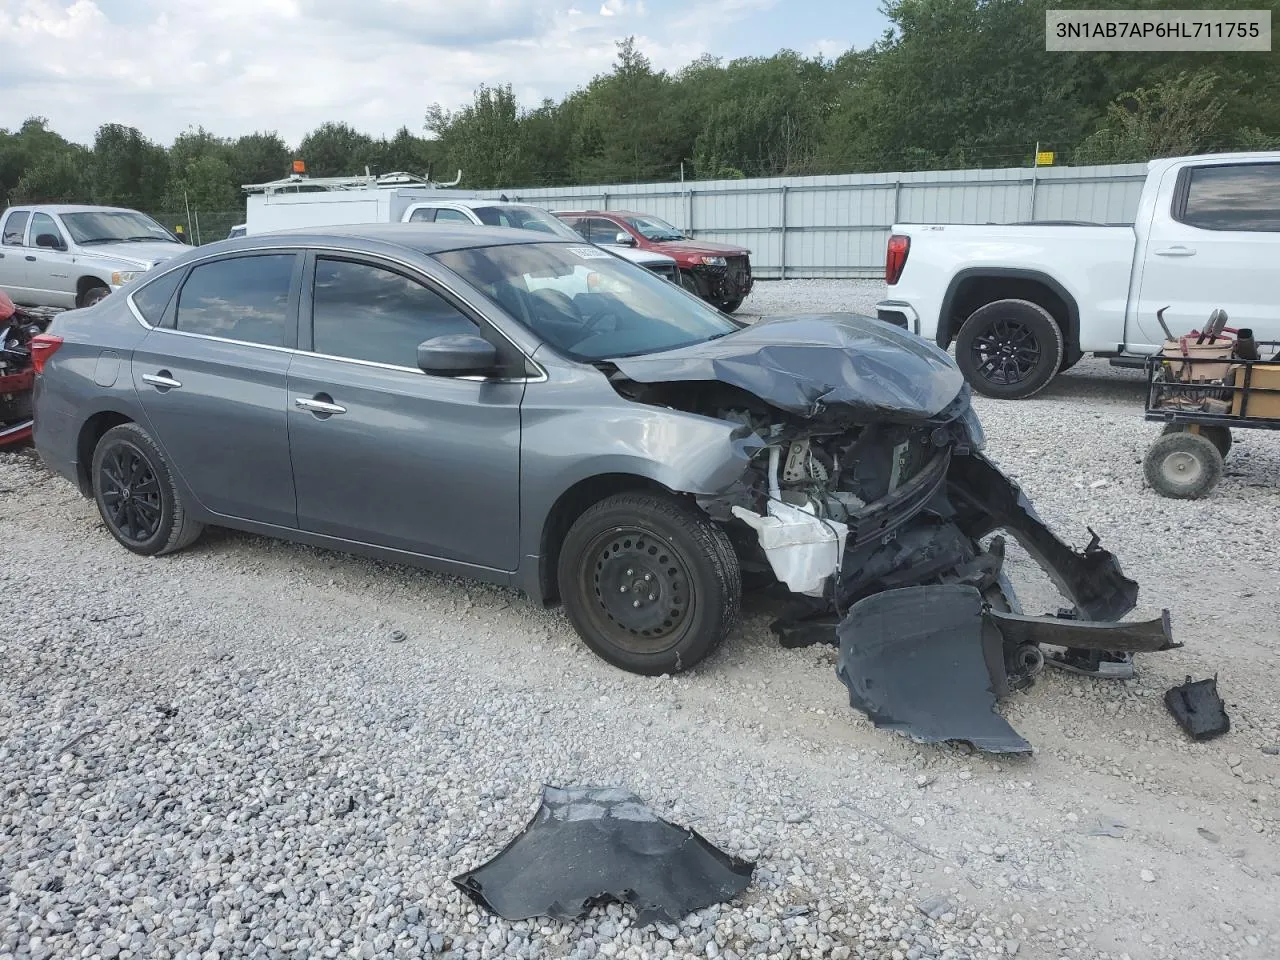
(837, 226)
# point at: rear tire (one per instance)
(1183, 466)
(649, 583)
(136, 494)
(1009, 349)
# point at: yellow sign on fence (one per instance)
(1044, 158)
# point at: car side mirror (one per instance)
(52, 241)
(624, 239)
(456, 355)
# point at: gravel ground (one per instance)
(230, 753)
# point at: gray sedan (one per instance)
(505, 405)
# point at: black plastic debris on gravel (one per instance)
(592, 845)
(925, 661)
(1198, 708)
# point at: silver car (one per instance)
(535, 412)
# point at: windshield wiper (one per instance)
(142, 239)
(85, 243)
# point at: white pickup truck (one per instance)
(1023, 302)
(64, 255)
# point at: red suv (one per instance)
(717, 273)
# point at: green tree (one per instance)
(127, 169)
(483, 138)
(258, 158)
(1177, 116)
(337, 150)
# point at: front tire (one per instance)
(729, 306)
(1009, 349)
(650, 584)
(93, 295)
(136, 495)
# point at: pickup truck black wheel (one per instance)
(1220, 436)
(728, 306)
(1009, 349)
(136, 495)
(651, 584)
(1182, 465)
(92, 295)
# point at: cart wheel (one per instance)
(1221, 436)
(1183, 465)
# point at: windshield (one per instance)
(525, 218)
(586, 302)
(114, 226)
(651, 228)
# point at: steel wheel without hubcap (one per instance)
(650, 583)
(130, 492)
(641, 588)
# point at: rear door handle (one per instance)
(32, 259)
(161, 381)
(318, 406)
(1178, 251)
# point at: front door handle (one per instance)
(1178, 251)
(161, 381)
(320, 407)
(32, 259)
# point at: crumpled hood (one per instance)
(684, 248)
(807, 364)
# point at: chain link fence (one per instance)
(203, 226)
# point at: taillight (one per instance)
(896, 257)
(43, 346)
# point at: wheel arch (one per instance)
(91, 431)
(974, 287)
(572, 504)
(87, 283)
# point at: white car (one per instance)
(499, 213)
(68, 255)
(1023, 302)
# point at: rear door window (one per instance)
(14, 227)
(362, 311)
(239, 298)
(1242, 197)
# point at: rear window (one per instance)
(1243, 197)
(14, 227)
(240, 298)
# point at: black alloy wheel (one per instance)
(136, 494)
(1009, 349)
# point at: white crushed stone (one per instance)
(253, 749)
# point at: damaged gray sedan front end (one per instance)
(869, 479)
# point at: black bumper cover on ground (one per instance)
(587, 846)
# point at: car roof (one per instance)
(600, 213)
(61, 208)
(474, 203)
(425, 238)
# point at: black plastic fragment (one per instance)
(592, 845)
(924, 661)
(1198, 708)
(1141, 636)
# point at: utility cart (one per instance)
(1202, 386)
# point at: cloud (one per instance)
(235, 66)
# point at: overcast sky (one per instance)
(237, 66)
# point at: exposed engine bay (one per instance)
(868, 477)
